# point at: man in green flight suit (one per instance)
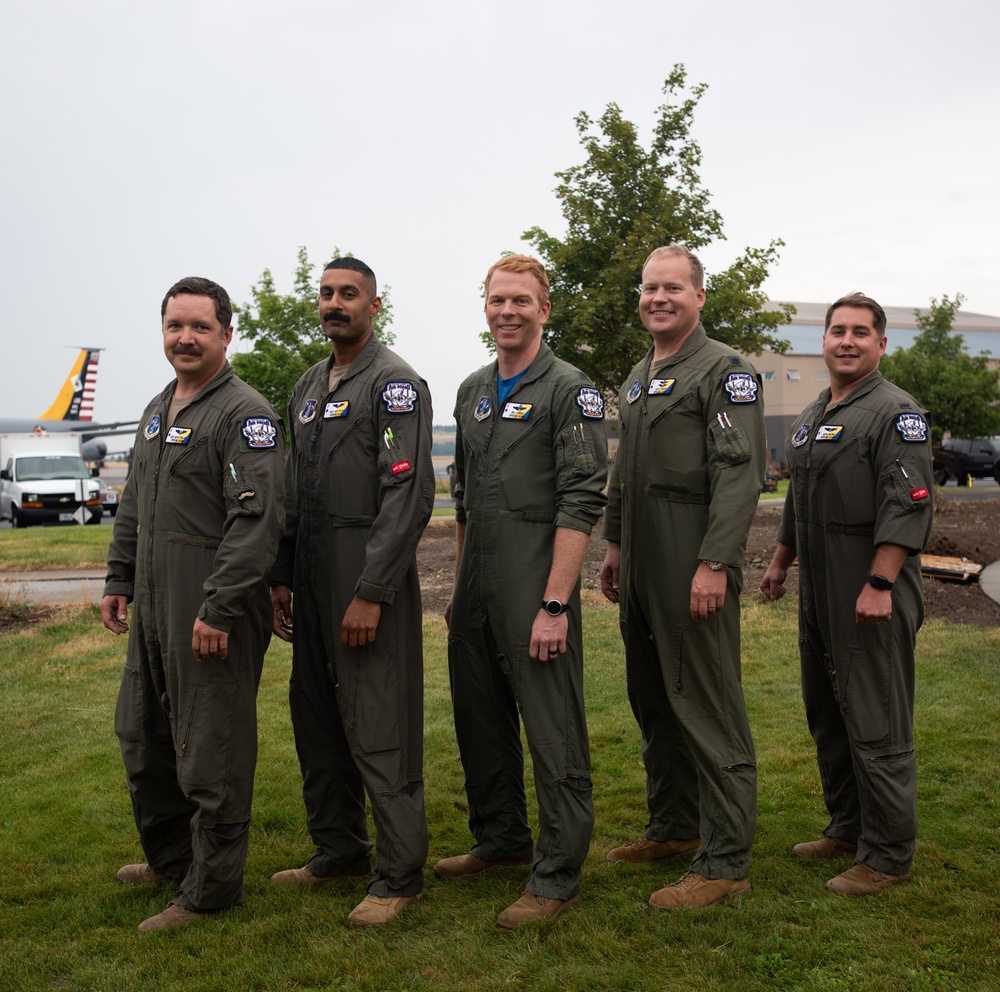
(360, 492)
(683, 493)
(194, 538)
(858, 512)
(531, 460)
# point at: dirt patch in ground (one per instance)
(963, 527)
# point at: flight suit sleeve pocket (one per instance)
(242, 492)
(729, 442)
(395, 463)
(904, 488)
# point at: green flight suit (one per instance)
(195, 534)
(360, 492)
(687, 477)
(537, 463)
(861, 476)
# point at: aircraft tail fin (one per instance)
(76, 398)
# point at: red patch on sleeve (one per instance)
(404, 465)
(920, 493)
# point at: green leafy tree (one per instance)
(286, 333)
(619, 204)
(960, 391)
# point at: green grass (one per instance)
(65, 827)
(36, 548)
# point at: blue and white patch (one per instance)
(259, 433)
(308, 412)
(912, 428)
(635, 391)
(801, 436)
(483, 408)
(516, 411)
(742, 387)
(661, 387)
(152, 428)
(178, 435)
(400, 397)
(591, 402)
(829, 432)
(336, 408)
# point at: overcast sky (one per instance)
(145, 142)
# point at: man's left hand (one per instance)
(708, 592)
(360, 622)
(548, 636)
(873, 606)
(208, 643)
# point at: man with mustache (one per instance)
(195, 534)
(360, 492)
(683, 493)
(858, 512)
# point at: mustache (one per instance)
(341, 318)
(187, 349)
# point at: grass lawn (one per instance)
(66, 826)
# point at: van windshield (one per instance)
(41, 468)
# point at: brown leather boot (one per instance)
(694, 891)
(531, 907)
(826, 849)
(860, 880)
(468, 866)
(652, 852)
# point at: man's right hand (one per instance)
(281, 603)
(114, 613)
(610, 571)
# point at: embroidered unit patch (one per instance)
(483, 408)
(591, 402)
(152, 428)
(400, 397)
(742, 387)
(801, 436)
(635, 391)
(259, 432)
(308, 412)
(912, 428)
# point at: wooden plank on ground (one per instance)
(955, 569)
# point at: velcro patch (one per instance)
(829, 432)
(340, 408)
(259, 433)
(661, 387)
(400, 397)
(516, 411)
(920, 493)
(400, 467)
(635, 391)
(591, 402)
(742, 387)
(912, 428)
(178, 435)
(307, 412)
(152, 428)
(801, 436)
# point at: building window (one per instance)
(770, 376)
(794, 374)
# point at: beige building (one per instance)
(793, 380)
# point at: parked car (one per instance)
(109, 497)
(964, 458)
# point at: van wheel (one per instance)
(16, 520)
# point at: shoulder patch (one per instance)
(400, 397)
(483, 408)
(259, 433)
(635, 391)
(152, 428)
(591, 402)
(912, 428)
(742, 387)
(308, 411)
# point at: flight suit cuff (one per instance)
(215, 619)
(374, 593)
(119, 587)
(612, 530)
(574, 523)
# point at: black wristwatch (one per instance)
(879, 582)
(554, 608)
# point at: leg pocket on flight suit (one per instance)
(204, 732)
(374, 719)
(694, 683)
(864, 691)
(541, 692)
(129, 720)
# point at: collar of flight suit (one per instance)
(364, 358)
(540, 364)
(694, 344)
(227, 372)
(862, 389)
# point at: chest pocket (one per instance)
(345, 460)
(675, 456)
(526, 467)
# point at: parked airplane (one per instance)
(73, 410)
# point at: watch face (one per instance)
(554, 607)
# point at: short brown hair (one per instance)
(862, 302)
(199, 286)
(697, 269)
(521, 263)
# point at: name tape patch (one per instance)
(178, 435)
